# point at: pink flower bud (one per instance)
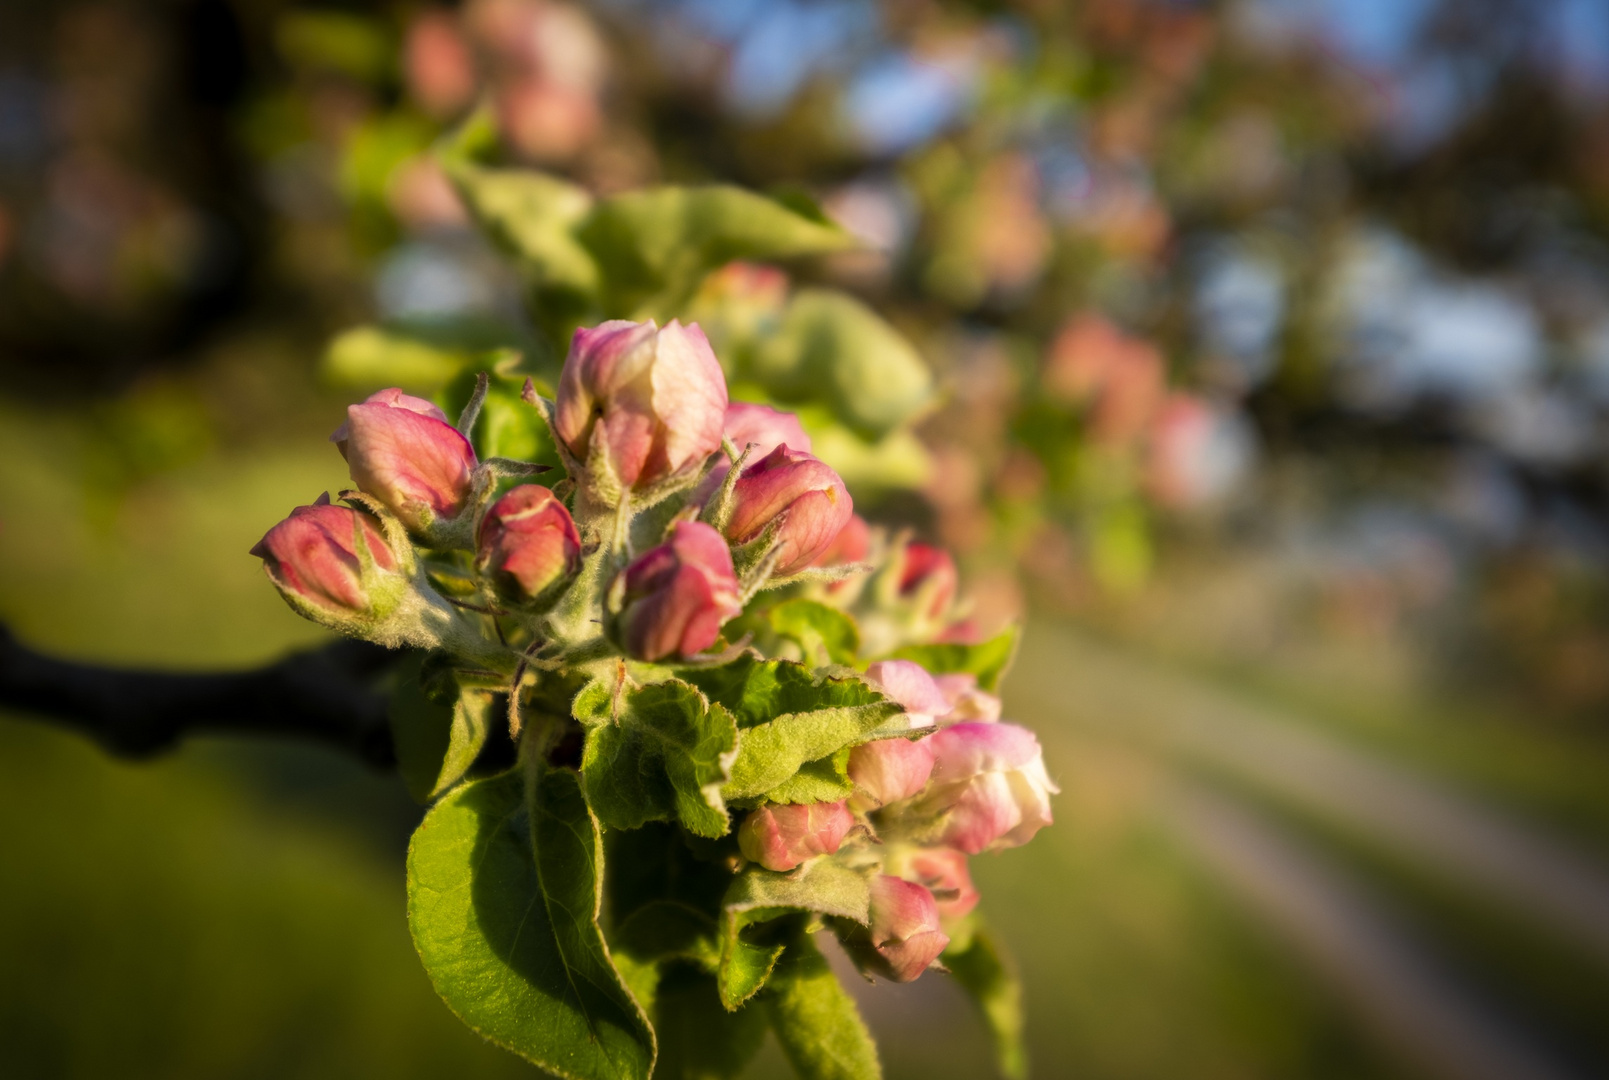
(652, 401)
(904, 928)
(967, 702)
(528, 544)
(761, 425)
(929, 572)
(806, 490)
(679, 594)
(889, 770)
(908, 683)
(767, 427)
(402, 451)
(852, 544)
(312, 558)
(990, 785)
(943, 872)
(780, 836)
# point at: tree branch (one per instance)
(327, 695)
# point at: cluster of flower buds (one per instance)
(679, 508)
(961, 784)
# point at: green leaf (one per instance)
(508, 427)
(755, 923)
(825, 780)
(663, 240)
(827, 635)
(834, 349)
(503, 891)
(698, 1039)
(789, 716)
(989, 660)
(663, 754)
(816, 1020)
(437, 742)
(667, 929)
(534, 217)
(372, 357)
(986, 972)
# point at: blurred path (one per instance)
(1396, 985)
(1395, 982)
(1481, 846)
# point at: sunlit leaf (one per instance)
(502, 903)
(663, 754)
(816, 1020)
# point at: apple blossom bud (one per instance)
(651, 400)
(528, 544)
(852, 544)
(989, 785)
(904, 928)
(313, 558)
(929, 573)
(764, 426)
(679, 594)
(401, 450)
(967, 702)
(780, 836)
(908, 683)
(803, 492)
(942, 871)
(888, 770)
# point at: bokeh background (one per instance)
(1270, 346)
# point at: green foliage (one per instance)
(823, 780)
(989, 977)
(698, 1038)
(816, 1020)
(833, 348)
(825, 634)
(534, 217)
(437, 740)
(370, 356)
(658, 244)
(757, 914)
(502, 900)
(508, 427)
(988, 660)
(662, 753)
(788, 716)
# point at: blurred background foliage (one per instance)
(1257, 349)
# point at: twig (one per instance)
(327, 695)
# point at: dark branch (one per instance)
(327, 695)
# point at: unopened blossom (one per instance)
(852, 544)
(988, 789)
(780, 836)
(527, 544)
(652, 401)
(889, 771)
(401, 450)
(908, 683)
(678, 595)
(905, 928)
(928, 575)
(314, 559)
(765, 427)
(798, 491)
(967, 702)
(943, 872)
